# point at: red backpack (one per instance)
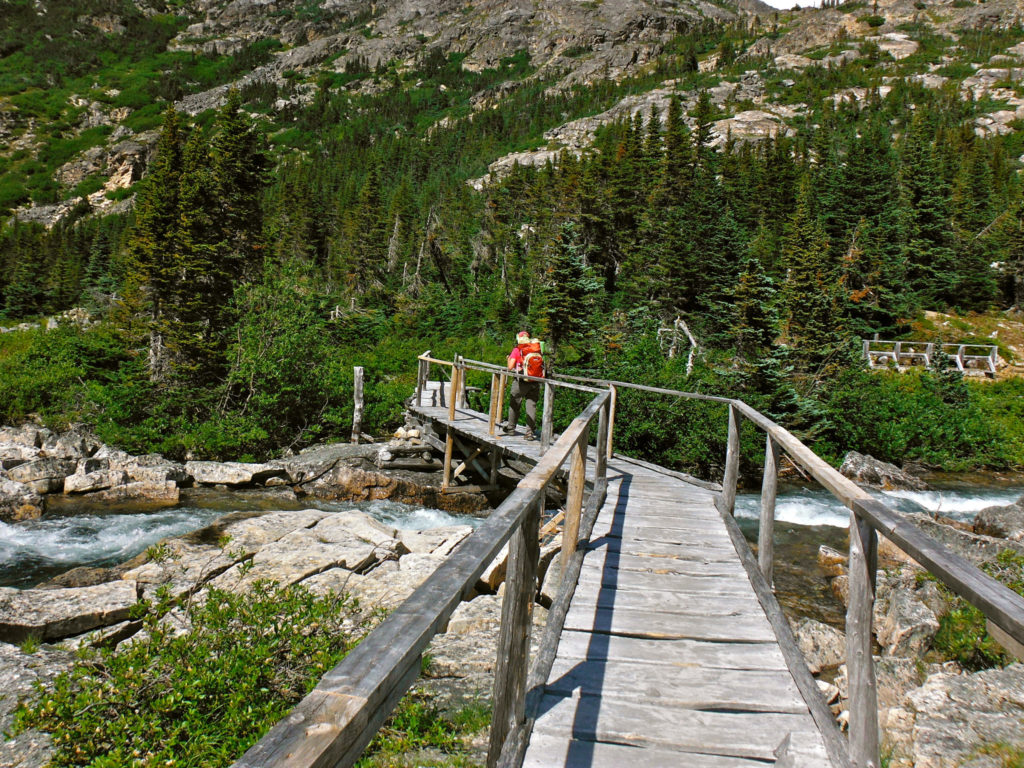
(533, 360)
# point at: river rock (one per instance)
(159, 494)
(18, 501)
(947, 720)
(868, 471)
(44, 475)
(87, 482)
(823, 647)
(231, 473)
(50, 614)
(435, 541)
(1002, 522)
(350, 483)
(832, 562)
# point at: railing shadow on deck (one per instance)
(334, 723)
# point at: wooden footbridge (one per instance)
(665, 645)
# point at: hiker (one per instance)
(525, 358)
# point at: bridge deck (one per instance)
(667, 657)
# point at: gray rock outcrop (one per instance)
(872, 473)
(952, 718)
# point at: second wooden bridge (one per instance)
(665, 645)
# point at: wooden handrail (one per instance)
(333, 724)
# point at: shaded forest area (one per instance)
(260, 265)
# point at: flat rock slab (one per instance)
(19, 502)
(350, 540)
(51, 614)
(231, 473)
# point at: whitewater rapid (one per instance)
(805, 506)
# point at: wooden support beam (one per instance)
(601, 464)
(574, 501)
(501, 399)
(450, 439)
(495, 466)
(472, 457)
(766, 529)
(513, 661)
(864, 751)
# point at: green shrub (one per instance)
(200, 698)
(875, 21)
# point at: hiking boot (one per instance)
(508, 430)
(529, 435)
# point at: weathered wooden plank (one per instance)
(685, 687)
(645, 533)
(655, 469)
(705, 552)
(707, 603)
(694, 566)
(737, 734)
(738, 627)
(626, 580)
(547, 750)
(576, 644)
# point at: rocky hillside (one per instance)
(92, 145)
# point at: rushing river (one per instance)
(71, 535)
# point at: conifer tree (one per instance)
(149, 273)
(571, 289)
(811, 290)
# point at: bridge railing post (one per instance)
(422, 376)
(612, 401)
(449, 442)
(500, 410)
(766, 529)
(574, 499)
(493, 405)
(863, 742)
(603, 420)
(510, 671)
(732, 461)
(547, 424)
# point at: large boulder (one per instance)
(18, 502)
(157, 494)
(823, 646)
(1002, 522)
(27, 436)
(44, 475)
(51, 614)
(872, 473)
(975, 547)
(20, 675)
(231, 473)
(435, 541)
